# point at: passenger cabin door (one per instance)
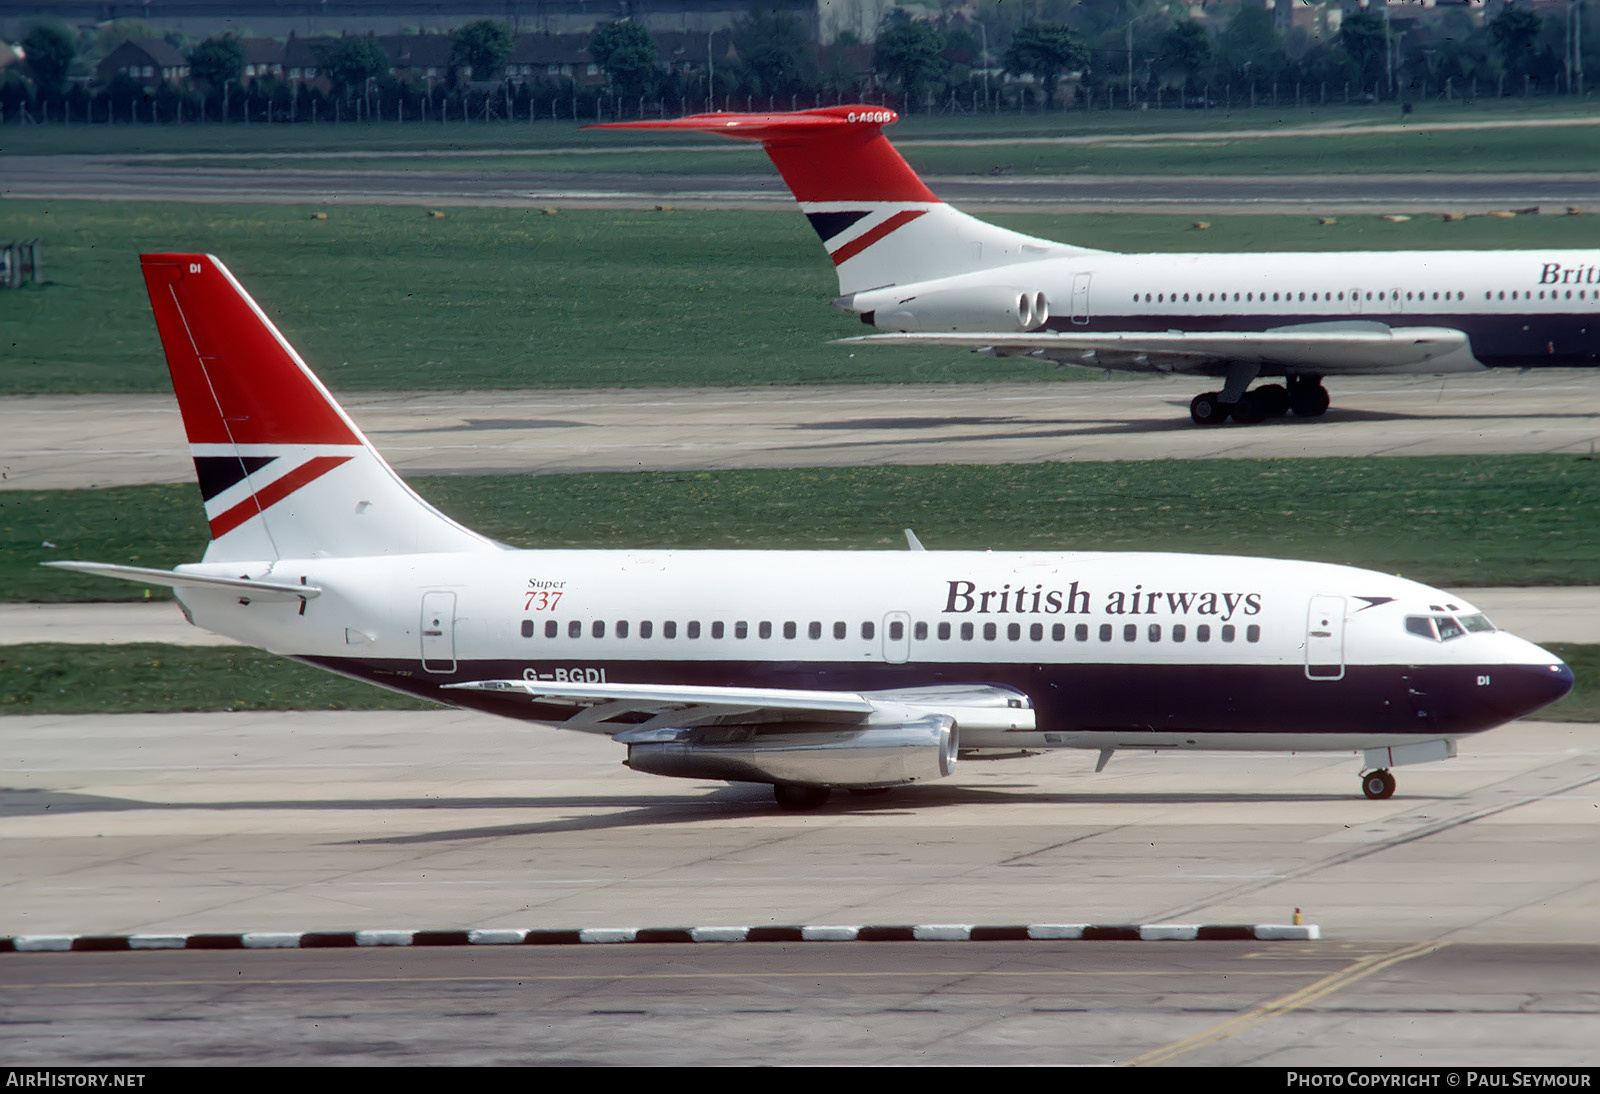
(1325, 638)
(439, 632)
(897, 638)
(1080, 298)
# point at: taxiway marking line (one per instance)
(1284, 1004)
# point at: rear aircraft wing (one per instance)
(677, 705)
(1327, 348)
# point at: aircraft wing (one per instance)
(677, 706)
(1335, 347)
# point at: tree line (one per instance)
(1008, 55)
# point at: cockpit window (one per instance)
(1421, 625)
(1442, 628)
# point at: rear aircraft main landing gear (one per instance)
(1378, 785)
(1308, 398)
(1208, 409)
(1305, 396)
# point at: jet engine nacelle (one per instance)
(808, 755)
(997, 308)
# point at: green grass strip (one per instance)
(1583, 703)
(1465, 520)
(60, 678)
(388, 298)
(152, 677)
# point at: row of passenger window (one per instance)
(1527, 294)
(944, 632)
(1289, 297)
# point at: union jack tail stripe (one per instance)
(846, 251)
(273, 492)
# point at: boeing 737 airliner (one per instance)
(807, 670)
(911, 265)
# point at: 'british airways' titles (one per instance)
(962, 597)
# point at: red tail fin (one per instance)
(238, 380)
(837, 153)
(283, 471)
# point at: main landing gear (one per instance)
(1305, 396)
(797, 798)
(1378, 785)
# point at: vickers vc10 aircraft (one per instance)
(808, 670)
(911, 265)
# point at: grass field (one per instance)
(1494, 520)
(51, 678)
(57, 678)
(389, 298)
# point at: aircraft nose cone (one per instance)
(1523, 689)
(1559, 681)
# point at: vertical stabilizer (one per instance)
(878, 222)
(283, 470)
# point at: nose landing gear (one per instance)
(1378, 785)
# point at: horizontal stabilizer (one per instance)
(766, 127)
(179, 580)
(833, 153)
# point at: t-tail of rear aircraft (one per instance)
(283, 471)
(879, 223)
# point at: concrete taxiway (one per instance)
(447, 820)
(1458, 918)
(1344, 1005)
(139, 438)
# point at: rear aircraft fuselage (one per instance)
(1111, 650)
(1519, 309)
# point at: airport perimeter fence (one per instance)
(21, 261)
(534, 103)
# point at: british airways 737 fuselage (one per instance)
(1102, 651)
(807, 670)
